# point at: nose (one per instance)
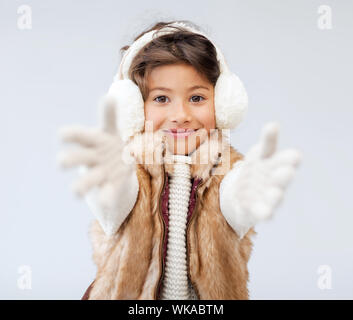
(181, 114)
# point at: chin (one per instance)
(186, 145)
(182, 146)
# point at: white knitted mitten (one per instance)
(108, 181)
(255, 186)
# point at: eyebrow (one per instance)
(167, 89)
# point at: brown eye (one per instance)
(161, 101)
(196, 99)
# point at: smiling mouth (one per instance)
(180, 133)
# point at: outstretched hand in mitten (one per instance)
(107, 174)
(255, 186)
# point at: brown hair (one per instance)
(181, 46)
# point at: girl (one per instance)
(175, 204)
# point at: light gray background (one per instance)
(295, 73)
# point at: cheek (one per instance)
(153, 115)
(211, 121)
(207, 118)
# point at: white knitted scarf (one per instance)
(176, 285)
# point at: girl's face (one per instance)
(180, 103)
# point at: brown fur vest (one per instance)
(130, 263)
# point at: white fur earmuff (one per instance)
(130, 107)
(231, 100)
